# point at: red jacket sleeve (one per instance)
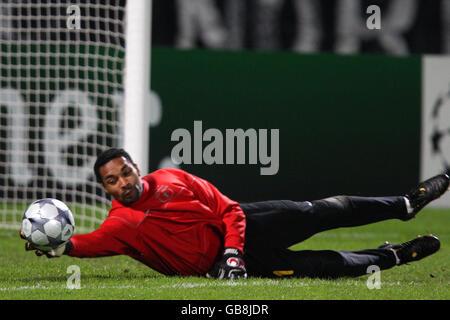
(230, 212)
(107, 240)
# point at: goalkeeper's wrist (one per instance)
(232, 251)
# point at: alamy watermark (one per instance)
(74, 280)
(73, 21)
(374, 280)
(235, 146)
(374, 20)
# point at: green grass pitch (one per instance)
(26, 276)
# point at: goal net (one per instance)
(61, 92)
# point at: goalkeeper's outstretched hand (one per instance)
(231, 266)
(54, 253)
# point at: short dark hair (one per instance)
(107, 156)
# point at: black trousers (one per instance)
(273, 226)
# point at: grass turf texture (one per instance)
(25, 276)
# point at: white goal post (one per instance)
(74, 80)
(137, 81)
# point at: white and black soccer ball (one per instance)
(48, 223)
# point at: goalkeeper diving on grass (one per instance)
(181, 225)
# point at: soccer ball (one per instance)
(47, 224)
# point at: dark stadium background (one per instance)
(424, 35)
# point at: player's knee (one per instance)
(340, 202)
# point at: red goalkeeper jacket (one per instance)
(179, 226)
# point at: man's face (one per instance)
(121, 180)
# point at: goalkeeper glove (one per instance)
(54, 253)
(231, 266)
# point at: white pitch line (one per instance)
(39, 287)
(232, 284)
(189, 285)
